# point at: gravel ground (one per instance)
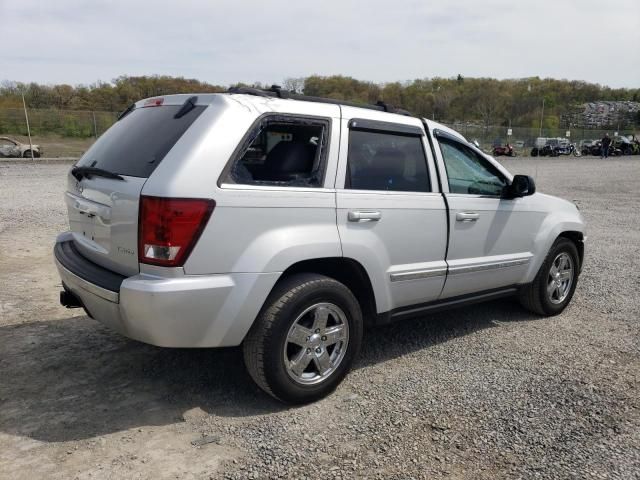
(484, 392)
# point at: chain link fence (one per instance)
(65, 123)
(71, 132)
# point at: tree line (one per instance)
(486, 101)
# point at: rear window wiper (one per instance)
(88, 172)
(187, 106)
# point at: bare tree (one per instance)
(294, 84)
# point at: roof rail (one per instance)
(277, 91)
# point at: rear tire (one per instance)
(289, 351)
(554, 285)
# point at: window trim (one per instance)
(444, 137)
(252, 134)
(388, 127)
(398, 133)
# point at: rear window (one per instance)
(136, 144)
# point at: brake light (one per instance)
(153, 102)
(168, 228)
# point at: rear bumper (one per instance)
(186, 311)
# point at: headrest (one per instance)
(290, 157)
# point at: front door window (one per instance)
(468, 172)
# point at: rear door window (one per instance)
(136, 144)
(386, 161)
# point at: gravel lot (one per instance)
(484, 392)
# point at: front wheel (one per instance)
(305, 338)
(554, 285)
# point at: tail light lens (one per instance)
(169, 228)
(154, 102)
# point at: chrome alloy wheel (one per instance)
(560, 278)
(316, 343)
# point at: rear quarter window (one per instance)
(136, 144)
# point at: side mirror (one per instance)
(521, 186)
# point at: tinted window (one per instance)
(136, 144)
(283, 151)
(384, 161)
(468, 172)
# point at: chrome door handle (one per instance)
(362, 215)
(467, 216)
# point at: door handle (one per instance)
(362, 215)
(467, 216)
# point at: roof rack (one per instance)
(277, 92)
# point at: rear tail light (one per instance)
(169, 228)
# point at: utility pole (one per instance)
(26, 117)
(95, 127)
(541, 117)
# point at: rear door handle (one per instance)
(467, 216)
(364, 215)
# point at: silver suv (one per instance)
(287, 224)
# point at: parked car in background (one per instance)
(286, 224)
(626, 145)
(585, 146)
(11, 148)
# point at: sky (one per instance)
(223, 42)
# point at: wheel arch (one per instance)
(347, 271)
(578, 239)
(560, 224)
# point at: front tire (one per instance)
(554, 285)
(305, 338)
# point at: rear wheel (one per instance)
(534, 152)
(305, 338)
(554, 285)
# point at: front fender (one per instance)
(556, 223)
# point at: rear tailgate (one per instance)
(103, 212)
